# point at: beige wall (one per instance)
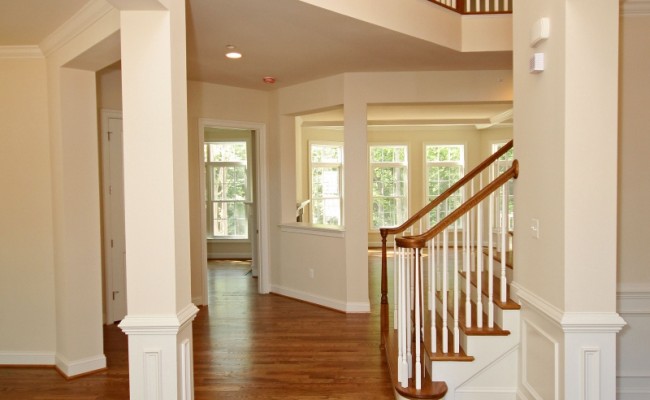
(26, 261)
(634, 164)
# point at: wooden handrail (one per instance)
(419, 241)
(438, 200)
(384, 232)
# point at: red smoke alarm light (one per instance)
(269, 80)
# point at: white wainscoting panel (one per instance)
(540, 354)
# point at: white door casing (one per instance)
(113, 215)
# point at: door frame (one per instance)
(260, 199)
(105, 115)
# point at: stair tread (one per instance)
(430, 389)
(472, 330)
(496, 282)
(438, 355)
(497, 256)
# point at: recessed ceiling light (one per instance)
(232, 52)
(269, 80)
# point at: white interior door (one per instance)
(114, 242)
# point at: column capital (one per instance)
(159, 324)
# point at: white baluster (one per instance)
(504, 232)
(468, 272)
(402, 366)
(479, 265)
(496, 5)
(408, 308)
(418, 363)
(432, 293)
(491, 262)
(444, 291)
(396, 280)
(487, 5)
(506, 5)
(456, 292)
(478, 6)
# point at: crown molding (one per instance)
(84, 18)
(635, 7)
(12, 52)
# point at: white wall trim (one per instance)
(158, 324)
(540, 305)
(311, 229)
(587, 322)
(524, 359)
(216, 255)
(79, 367)
(633, 302)
(27, 358)
(632, 7)
(79, 22)
(348, 307)
(20, 52)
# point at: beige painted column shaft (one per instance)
(156, 199)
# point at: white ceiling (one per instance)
(287, 39)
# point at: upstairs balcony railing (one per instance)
(477, 6)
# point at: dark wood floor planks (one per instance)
(246, 346)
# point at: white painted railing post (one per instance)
(417, 327)
(456, 293)
(432, 293)
(444, 290)
(504, 232)
(479, 266)
(491, 262)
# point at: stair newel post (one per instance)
(479, 265)
(504, 232)
(491, 261)
(384, 267)
(456, 292)
(432, 292)
(445, 290)
(417, 328)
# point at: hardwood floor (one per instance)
(246, 346)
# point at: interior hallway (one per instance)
(246, 346)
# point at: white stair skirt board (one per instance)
(27, 358)
(79, 367)
(348, 307)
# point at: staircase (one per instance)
(451, 329)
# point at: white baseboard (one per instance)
(633, 386)
(27, 358)
(486, 394)
(80, 367)
(228, 256)
(348, 307)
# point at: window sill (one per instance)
(313, 229)
(227, 240)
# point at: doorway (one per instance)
(220, 236)
(113, 217)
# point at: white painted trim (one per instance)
(635, 7)
(79, 22)
(351, 307)
(487, 393)
(27, 358)
(587, 322)
(20, 52)
(313, 229)
(540, 305)
(524, 360)
(221, 255)
(79, 367)
(158, 324)
(633, 386)
(634, 302)
(187, 383)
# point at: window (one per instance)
(445, 165)
(388, 185)
(326, 166)
(501, 165)
(227, 191)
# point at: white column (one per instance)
(156, 199)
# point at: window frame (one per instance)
(404, 164)
(313, 165)
(463, 164)
(505, 164)
(209, 182)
